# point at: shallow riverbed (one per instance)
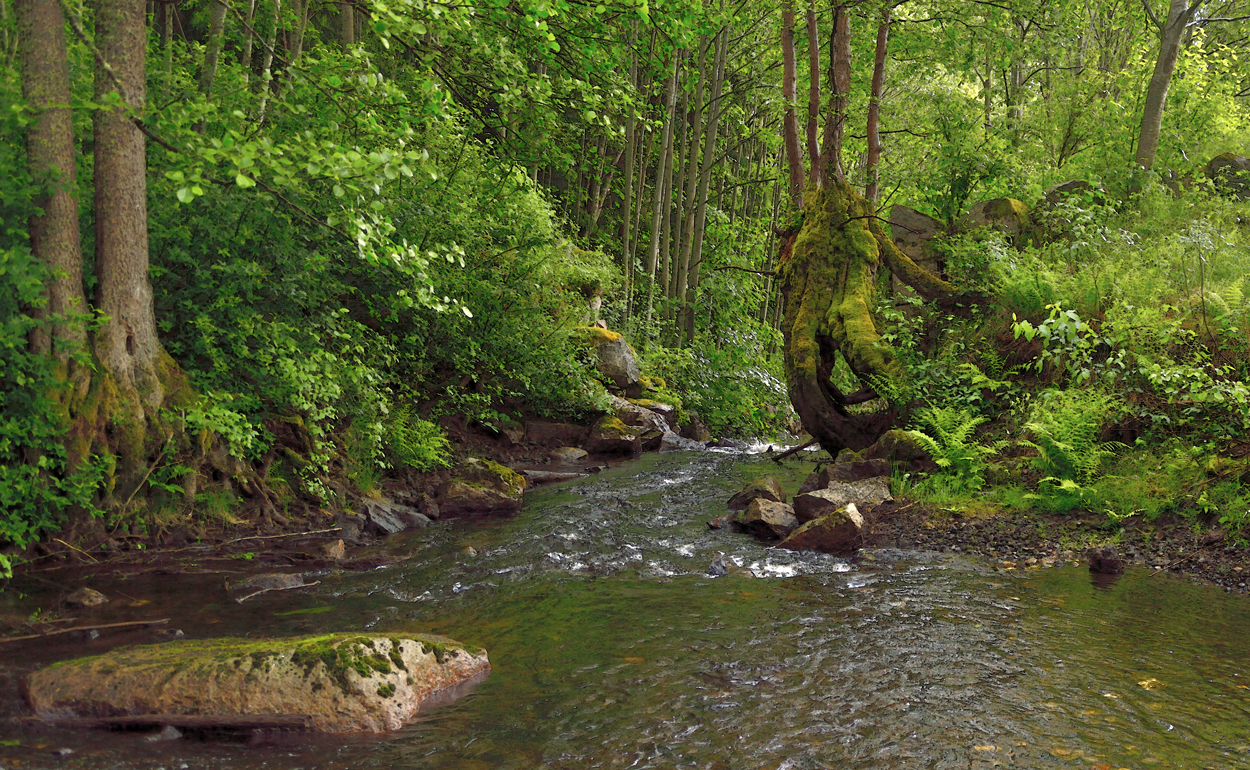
(612, 648)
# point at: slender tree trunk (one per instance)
(212, 50)
(813, 95)
(789, 92)
(659, 205)
(126, 346)
(347, 24)
(874, 108)
(839, 96)
(677, 201)
(705, 177)
(692, 183)
(1170, 35)
(249, 34)
(631, 145)
(266, 68)
(50, 155)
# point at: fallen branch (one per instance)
(793, 450)
(273, 537)
(96, 627)
(242, 599)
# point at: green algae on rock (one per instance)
(341, 682)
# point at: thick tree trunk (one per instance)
(828, 274)
(1170, 35)
(126, 346)
(50, 155)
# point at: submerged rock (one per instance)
(1105, 561)
(671, 442)
(86, 597)
(765, 487)
(768, 519)
(567, 455)
(339, 682)
(838, 532)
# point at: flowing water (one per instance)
(612, 648)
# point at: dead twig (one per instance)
(75, 548)
(95, 627)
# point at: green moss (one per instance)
(476, 472)
(612, 425)
(386, 690)
(594, 335)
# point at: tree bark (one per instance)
(347, 24)
(873, 166)
(212, 50)
(126, 346)
(813, 96)
(50, 156)
(663, 164)
(789, 94)
(1180, 14)
(692, 181)
(705, 178)
(266, 69)
(839, 95)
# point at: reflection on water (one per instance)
(613, 648)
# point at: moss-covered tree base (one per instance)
(828, 273)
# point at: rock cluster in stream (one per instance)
(828, 513)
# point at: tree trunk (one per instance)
(627, 192)
(347, 24)
(789, 93)
(813, 96)
(216, 30)
(692, 183)
(1170, 34)
(126, 346)
(249, 35)
(659, 200)
(266, 69)
(873, 166)
(50, 156)
(705, 178)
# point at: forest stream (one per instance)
(613, 648)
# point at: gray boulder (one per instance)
(482, 486)
(339, 682)
(671, 442)
(766, 487)
(611, 436)
(767, 519)
(615, 358)
(843, 472)
(838, 532)
(383, 518)
(820, 502)
(1231, 174)
(1005, 215)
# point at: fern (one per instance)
(416, 443)
(950, 443)
(1065, 426)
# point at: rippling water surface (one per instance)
(613, 649)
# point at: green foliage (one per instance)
(37, 486)
(414, 442)
(949, 441)
(1065, 426)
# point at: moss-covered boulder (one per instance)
(838, 532)
(482, 486)
(1005, 215)
(765, 487)
(636, 416)
(900, 447)
(339, 682)
(615, 358)
(610, 436)
(842, 472)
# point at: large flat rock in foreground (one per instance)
(339, 682)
